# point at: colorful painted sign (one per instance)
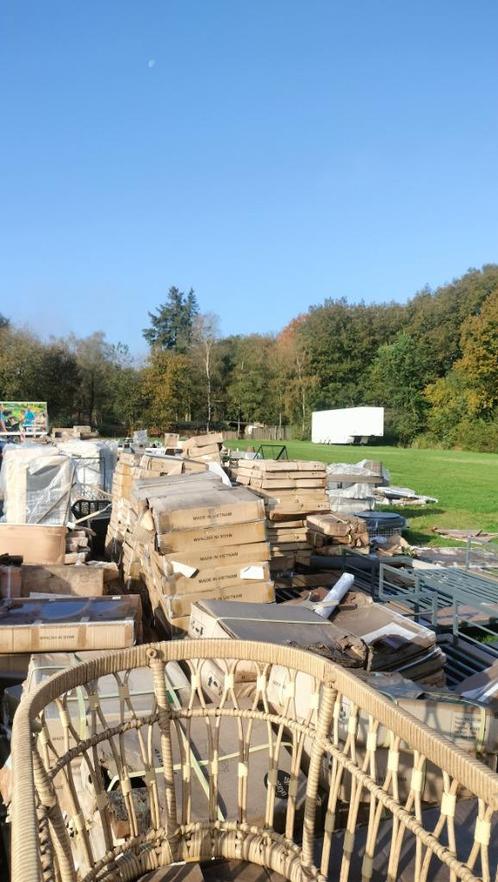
(23, 418)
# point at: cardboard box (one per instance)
(36, 543)
(251, 592)
(217, 556)
(72, 624)
(211, 438)
(223, 535)
(207, 508)
(106, 694)
(14, 667)
(273, 623)
(281, 465)
(81, 581)
(215, 578)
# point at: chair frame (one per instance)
(41, 845)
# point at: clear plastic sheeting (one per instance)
(351, 486)
(94, 463)
(36, 482)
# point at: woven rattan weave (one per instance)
(321, 777)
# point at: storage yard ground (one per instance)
(466, 484)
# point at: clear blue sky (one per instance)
(270, 153)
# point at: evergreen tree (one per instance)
(172, 324)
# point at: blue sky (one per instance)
(268, 153)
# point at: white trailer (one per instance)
(347, 425)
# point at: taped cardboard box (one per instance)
(209, 508)
(214, 578)
(251, 592)
(203, 440)
(35, 543)
(471, 728)
(230, 534)
(216, 556)
(265, 466)
(71, 624)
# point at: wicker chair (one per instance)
(297, 767)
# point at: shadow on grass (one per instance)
(415, 537)
(424, 536)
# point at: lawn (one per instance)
(465, 484)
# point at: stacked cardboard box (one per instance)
(291, 490)
(201, 539)
(204, 447)
(330, 533)
(132, 467)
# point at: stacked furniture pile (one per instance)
(330, 534)
(206, 448)
(351, 488)
(205, 540)
(130, 468)
(291, 491)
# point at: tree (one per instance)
(173, 322)
(166, 388)
(341, 341)
(249, 389)
(479, 361)
(97, 360)
(292, 376)
(20, 359)
(435, 318)
(205, 334)
(58, 379)
(451, 404)
(398, 376)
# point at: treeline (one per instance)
(432, 363)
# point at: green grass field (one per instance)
(465, 484)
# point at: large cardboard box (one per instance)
(104, 703)
(212, 578)
(206, 508)
(274, 623)
(71, 624)
(36, 543)
(224, 535)
(470, 727)
(215, 556)
(251, 592)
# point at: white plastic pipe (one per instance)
(335, 595)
